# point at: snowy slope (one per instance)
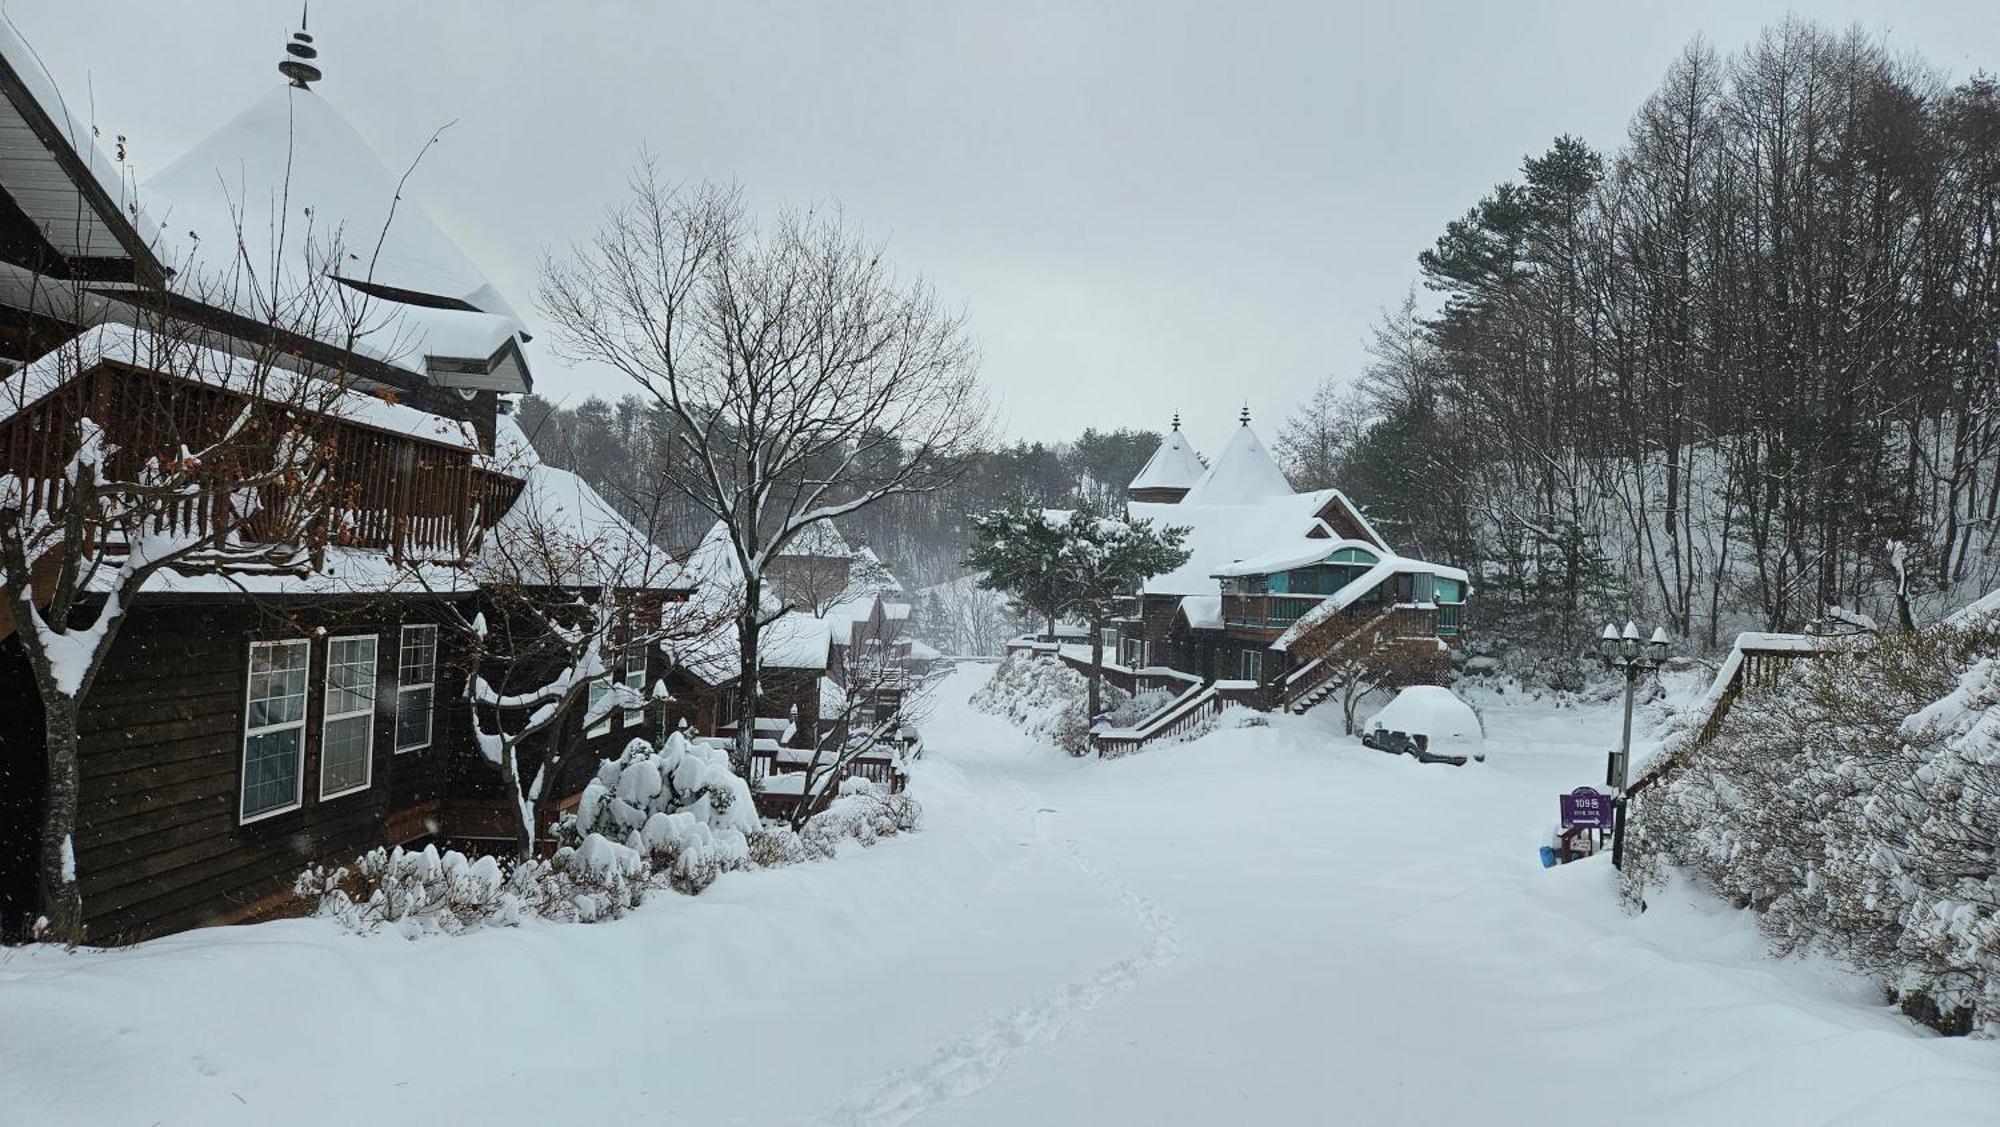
(1266, 925)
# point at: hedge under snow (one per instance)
(1855, 806)
(673, 816)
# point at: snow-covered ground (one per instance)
(1267, 925)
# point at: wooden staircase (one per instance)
(1312, 683)
(1184, 714)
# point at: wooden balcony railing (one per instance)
(389, 492)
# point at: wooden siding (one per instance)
(160, 846)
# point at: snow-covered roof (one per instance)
(1304, 552)
(1203, 612)
(1219, 535)
(342, 572)
(819, 538)
(560, 530)
(1243, 474)
(796, 641)
(289, 181)
(1175, 465)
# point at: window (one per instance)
(274, 728)
(599, 689)
(1253, 665)
(1448, 591)
(635, 680)
(1423, 588)
(347, 731)
(416, 687)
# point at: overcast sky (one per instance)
(1143, 207)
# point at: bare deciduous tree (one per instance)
(804, 379)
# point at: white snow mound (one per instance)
(1451, 724)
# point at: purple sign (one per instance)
(1585, 808)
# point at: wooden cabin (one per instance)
(1277, 586)
(243, 727)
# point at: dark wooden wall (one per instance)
(159, 845)
(22, 776)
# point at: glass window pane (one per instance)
(344, 755)
(413, 718)
(350, 676)
(271, 771)
(418, 660)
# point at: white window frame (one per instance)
(430, 725)
(243, 760)
(634, 716)
(328, 717)
(599, 688)
(1251, 665)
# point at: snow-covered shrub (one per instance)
(776, 845)
(673, 816)
(865, 812)
(1855, 805)
(678, 804)
(425, 891)
(1046, 698)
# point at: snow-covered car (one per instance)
(1449, 729)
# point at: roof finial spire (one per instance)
(1177, 420)
(299, 67)
(1244, 415)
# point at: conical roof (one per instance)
(288, 169)
(1243, 474)
(1174, 465)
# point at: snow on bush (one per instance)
(674, 816)
(865, 812)
(1855, 805)
(1044, 697)
(422, 892)
(679, 805)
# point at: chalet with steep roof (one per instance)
(1278, 584)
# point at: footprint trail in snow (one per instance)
(973, 1060)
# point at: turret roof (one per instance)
(1174, 465)
(1243, 474)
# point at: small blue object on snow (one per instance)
(1548, 857)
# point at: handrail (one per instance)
(1294, 690)
(1190, 698)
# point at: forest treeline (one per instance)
(1712, 377)
(625, 449)
(1709, 377)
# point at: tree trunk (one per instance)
(61, 900)
(748, 630)
(1096, 668)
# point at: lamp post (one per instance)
(1624, 651)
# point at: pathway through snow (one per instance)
(1269, 925)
